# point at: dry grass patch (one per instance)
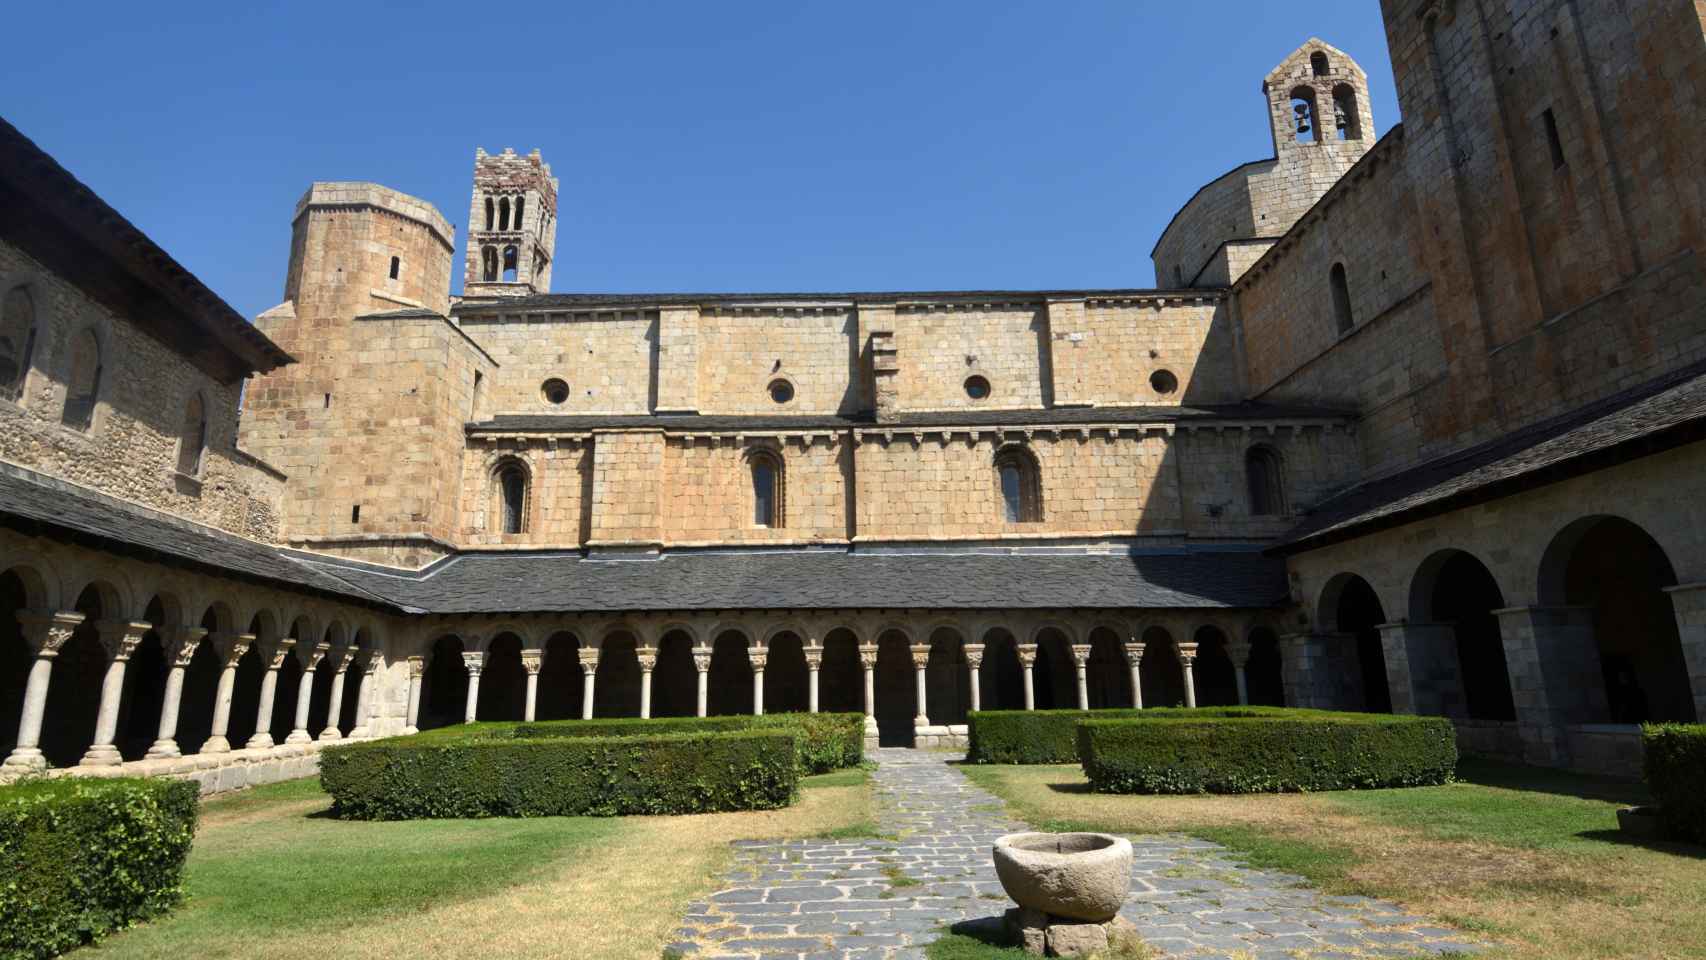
(1530, 860)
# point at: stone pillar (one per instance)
(474, 663)
(1305, 670)
(1028, 660)
(648, 657)
(1689, 602)
(180, 647)
(589, 680)
(46, 634)
(1187, 659)
(367, 662)
(304, 694)
(1081, 661)
(868, 660)
(814, 663)
(702, 663)
(974, 663)
(532, 661)
(338, 663)
(417, 672)
(1421, 668)
(230, 647)
(1239, 653)
(1556, 678)
(273, 653)
(119, 639)
(757, 657)
(1134, 660)
(920, 667)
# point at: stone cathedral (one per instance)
(1413, 424)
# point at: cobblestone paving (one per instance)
(886, 898)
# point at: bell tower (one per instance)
(512, 226)
(1318, 104)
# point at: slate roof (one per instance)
(951, 418)
(825, 579)
(1658, 415)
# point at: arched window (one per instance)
(767, 488)
(192, 442)
(396, 267)
(83, 381)
(1266, 480)
(1346, 117)
(1318, 64)
(17, 341)
(1303, 114)
(509, 481)
(509, 264)
(489, 212)
(1019, 484)
(1341, 298)
(503, 213)
(519, 202)
(489, 264)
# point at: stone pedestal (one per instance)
(1045, 935)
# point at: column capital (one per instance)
(273, 652)
(370, 660)
(1187, 651)
(702, 658)
(1239, 653)
(311, 656)
(340, 658)
(920, 655)
(814, 658)
(648, 657)
(1027, 654)
(473, 662)
(120, 637)
(758, 658)
(588, 657)
(531, 660)
(1133, 653)
(1081, 653)
(868, 656)
(417, 668)
(231, 646)
(974, 655)
(48, 632)
(181, 644)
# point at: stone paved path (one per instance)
(871, 899)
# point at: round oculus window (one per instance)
(555, 390)
(977, 388)
(1163, 382)
(781, 391)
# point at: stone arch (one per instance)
(114, 591)
(290, 676)
(85, 376)
(675, 678)
(145, 679)
(1619, 571)
(1163, 677)
(896, 688)
(561, 683)
(1018, 483)
(787, 682)
(1265, 675)
(73, 695)
(1353, 608)
(21, 326)
(1107, 675)
(444, 684)
(617, 690)
(1054, 678)
(1453, 589)
(841, 680)
(1216, 677)
(503, 681)
(337, 643)
(947, 681)
(767, 471)
(1001, 677)
(731, 672)
(509, 485)
(38, 582)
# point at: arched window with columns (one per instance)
(766, 470)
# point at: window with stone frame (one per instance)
(489, 264)
(17, 342)
(511, 264)
(1341, 288)
(1264, 471)
(766, 473)
(83, 381)
(192, 441)
(509, 488)
(1018, 481)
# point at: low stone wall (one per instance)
(219, 772)
(956, 735)
(1611, 749)
(1489, 738)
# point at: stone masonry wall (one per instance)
(741, 351)
(604, 357)
(130, 450)
(708, 490)
(1104, 352)
(559, 473)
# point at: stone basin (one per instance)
(1079, 876)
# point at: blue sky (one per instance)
(701, 146)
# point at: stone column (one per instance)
(1238, 651)
(473, 663)
(1187, 658)
(417, 671)
(180, 647)
(1556, 678)
(920, 667)
(1305, 670)
(338, 663)
(648, 657)
(230, 647)
(1134, 660)
(273, 653)
(1081, 661)
(532, 661)
(814, 663)
(304, 695)
(1689, 602)
(119, 639)
(974, 663)
(46, 634)
(366, 662)
(1028, 660)
(589, 679)
(702, 663)
(1421, 668)
(757, 657)
(868, 660)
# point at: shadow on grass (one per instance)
(1515, 776)
(1077, 788)
(1675, 848)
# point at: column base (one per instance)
(216, 745)
(260, 741)
(25, 758)
(331, 733)
(103, 755)
(361, 733)
(411, 731)
(299, 736)
(920, 721)
(163, 750)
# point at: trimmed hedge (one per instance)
(827, 741)
(1676, 773)
(562, 776)
(1051, 736)
(86, 857)
(1266, 754)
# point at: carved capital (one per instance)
(702, 658)
(920, 655)
(273, 652)
(1187, 650)
(370, 660)
(814, 659)
(231, 647)
(48, 633)
(1239, 652)
(340, 658)
(181, 644)
(532, 661)
(1134, 654)
(868, 657)
(648, 657)
(588, 658)
(311, 656)
(757, 658)
(120, 637)
(473, 662)
(1027, 654)
(974, 655)
(417, 668)
(1081, 653)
